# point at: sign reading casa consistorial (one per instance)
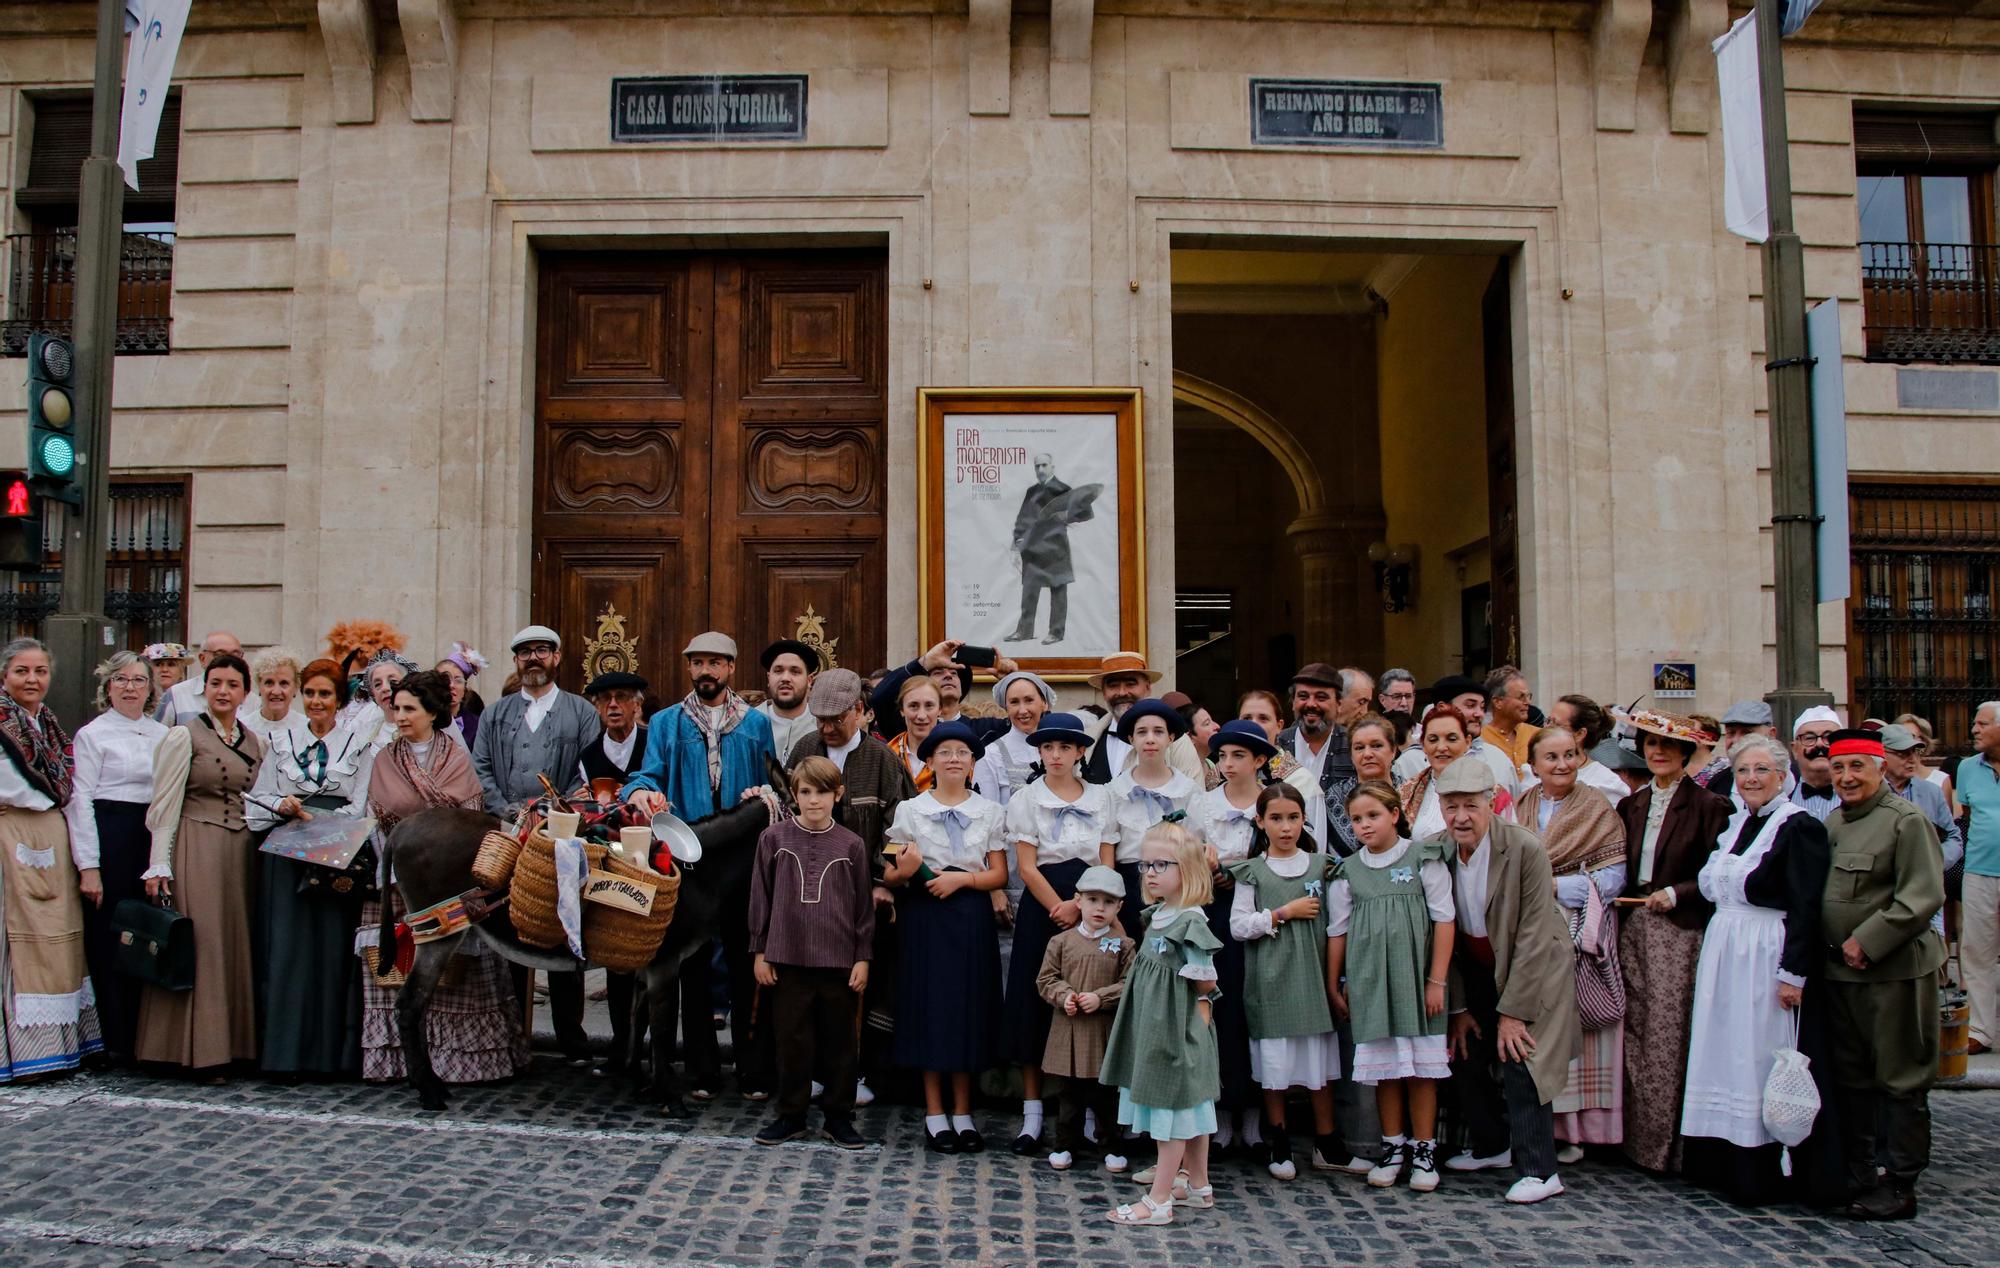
(1335, 112)
(709, 108)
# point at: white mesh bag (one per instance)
(1791, 1099)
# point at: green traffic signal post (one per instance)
(78, 633)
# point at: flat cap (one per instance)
(1898, 738)
(1468, 774)
(616, 680)
(1318, 674)
(834, 693)
(712, 643)
(535, 634)
(1099, 879)
(1748, 713)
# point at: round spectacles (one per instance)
(1152, 867)
(1766, 771)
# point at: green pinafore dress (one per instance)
(1162, 1055)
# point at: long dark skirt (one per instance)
(947, 981)
(309, 979)
(124, 849)
(1232, 1024)
(1755, 1177)
(1027, 1017)
(1130, 909)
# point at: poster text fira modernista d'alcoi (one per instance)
(973, 463)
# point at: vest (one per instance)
(598, 765)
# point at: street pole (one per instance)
(79, 635)
(1794, 526)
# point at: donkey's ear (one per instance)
(781, 783)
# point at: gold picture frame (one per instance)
(1075, 535)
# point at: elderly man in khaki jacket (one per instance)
(1513, 988)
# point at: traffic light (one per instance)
(52, 442)
(20, 526)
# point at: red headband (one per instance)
(1848, 747)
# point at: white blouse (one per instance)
(294, 768)
(114, 762)
(1215, 821)
(1061, 830)
(262, 727)
(1136, 808)
(920, 822)
(1003, 768)
(1246, 919)
(1436, 878)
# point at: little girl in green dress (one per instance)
(1390, 925)
(1162, 1056)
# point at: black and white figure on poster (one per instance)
(1041, 547)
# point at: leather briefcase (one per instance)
(155, 944)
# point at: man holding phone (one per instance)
(950, 665)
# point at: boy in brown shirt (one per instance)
(1083, 974)
(812, 919)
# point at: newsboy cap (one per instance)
(712, 643)
(1748, 713)
(834, 693)
(535, 634)
(1468, 774)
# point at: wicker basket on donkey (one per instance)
(531, 896)
(625, 941)
(493, 866)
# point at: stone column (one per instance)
(1340, 616)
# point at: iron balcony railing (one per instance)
(41, 289)
(1931, 302)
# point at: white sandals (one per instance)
(1144, 1213)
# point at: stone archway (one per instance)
(1314, 533)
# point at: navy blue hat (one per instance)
(950, 731)
(1245, 734)
(616, 680)
(1060, 726)
(1151, 708)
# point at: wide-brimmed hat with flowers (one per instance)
(1674, 726)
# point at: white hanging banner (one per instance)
(1745, 203)
(149, 72)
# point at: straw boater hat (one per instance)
(1671, 725)
(1122, 663)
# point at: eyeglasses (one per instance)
(538, 652)
(1812, 737)
(1153, 867)
(1757, 770)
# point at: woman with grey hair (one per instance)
(48, 1018)
(274, 678)
(1756, 991)
(112, 786)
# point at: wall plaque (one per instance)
(1334, 112)
(709, 108)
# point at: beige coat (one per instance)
(1074, 964)
(1534, 961)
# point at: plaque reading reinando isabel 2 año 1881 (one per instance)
(709, 108)
(1340, 113)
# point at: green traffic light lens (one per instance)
(56, 407)
(58, 455)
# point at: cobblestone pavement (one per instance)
(560, 1167)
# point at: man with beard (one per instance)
(789, 666)
(539, 732)
(953, 681)
(1319, 743)
(1041, 549)
(1886, 883)
(702, 755)
(1124, 680)
(874, 783)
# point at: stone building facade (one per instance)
(410, 265)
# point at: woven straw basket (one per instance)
(453, 975)
(493, 866)
(531, 895)
(625, 941)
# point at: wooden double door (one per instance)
(709, 454)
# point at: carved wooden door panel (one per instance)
(709, 453)
(800, 401)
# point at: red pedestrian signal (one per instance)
(19, 505)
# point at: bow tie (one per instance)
(1160, 801)
(1068, 809)
(1233, 815)
(955, 823)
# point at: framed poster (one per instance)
(1031, 523)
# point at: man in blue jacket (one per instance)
(702, 755)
